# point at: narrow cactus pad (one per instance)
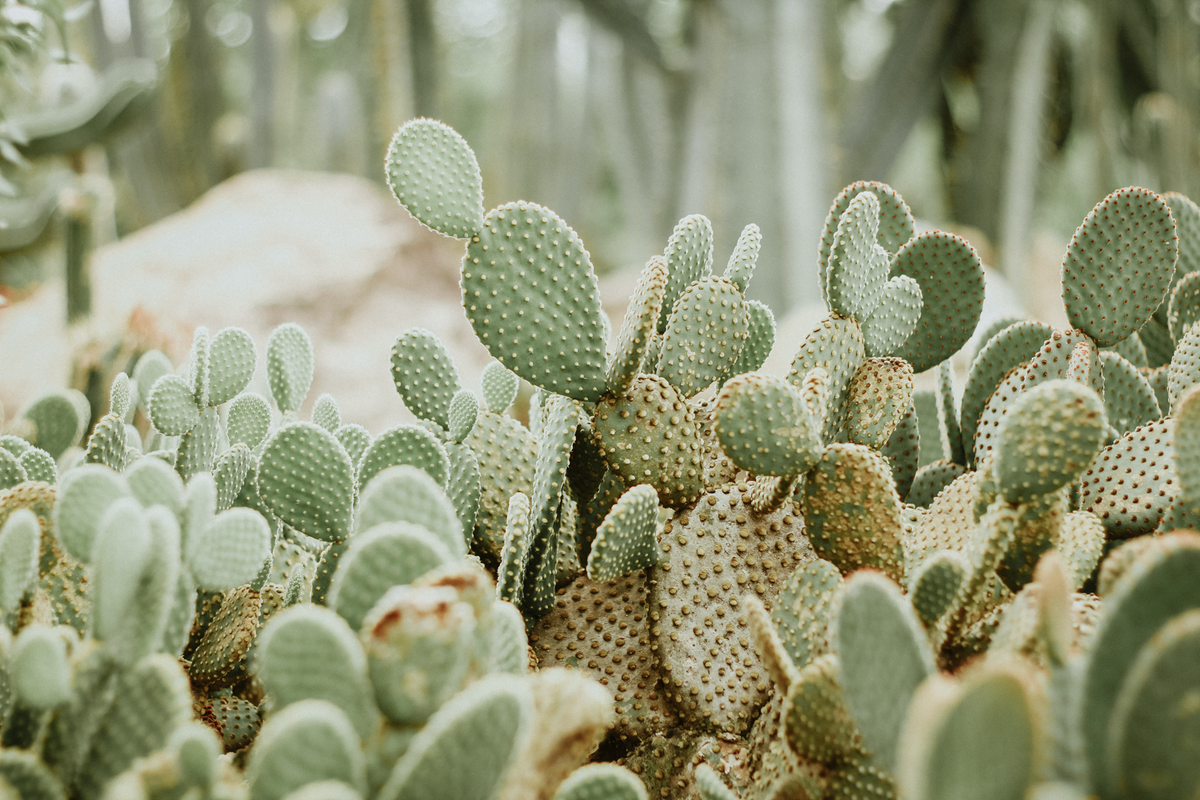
(948, 425)
(760, 339)
(803, 614)
(704, 335)
(561, 418)
(510, 575)
(425, 375)
(836, 346)
(714, 554)
(856, 272)
(433, 173)
(765, 427)
(638, 327)
(306, 479)
(499, 387)
(649, 435)
(507, 454)
(232, 358)
(1129, 400)
(741, 264)
(903, 449)
(603, 629)
(852, 510)
(689, 257)
(532, 298)
(951, 278)
(1119, 265)
(879, 395)
(1131, 483)
(1184, 305)
(625, 540)
(895, 222)
(290, 365)
(818, 725)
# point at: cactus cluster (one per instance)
(683, 578)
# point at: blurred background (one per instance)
(1002, 120)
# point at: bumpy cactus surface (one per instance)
(684, 578)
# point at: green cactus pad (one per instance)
(894, 319)
(852, 510)
(525, 254)
(27, 778)
(710, 786)
(507, 455)
(818, 726)
(20, 538)
(856, 271)
(86, 494)
(1162, 584)
(1132, 350)
(586, 468)
(404, 444)
(880, 393)
(652, 409)
(120, 396)
(742, 261)
(803, 614)
(1150, 736)
(1048, 438)
(227, 639)
(407, 494)
(1131, 483)
(948, 427)
(106, 445)
(1156, 338)
(560, 419)
(154, 482)
(308, 652)
(248, 419)
(884, 656)
(951, 278)
(1119, 265)
(1129, 401)
(56, 422)
(1184, 304)
(836, 346)
(936, 585)
(304, 743)
(198, 367)
(601, 782)
(232, 357)
(326, 413)
(1187, 228)
(704, 335)
(433, 173)
(150, 366)
(11, 471)
(231, 550)
(463, 485)
(389, 554)
(638, 327)
(765, 427)
(466, 748)
(689, 257)
(976, 740)
(625, 541)
(229, 473)
(930, 481)
(13, 445)
(198, 447)
(425, 375)
(508, 645)
(713, 555)
(306, 479)
(464, 410)
(510, 576)
(38, 466)
(1184, 372)
(290, 366)
(1010, 348)
(760, 339)
(895, 222)
(499, 387)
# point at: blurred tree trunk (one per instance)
(533, 142)
(262, 93)
(422, 39)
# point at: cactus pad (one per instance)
(894, 319)
(689, 257)
(326, 413)
(818, 725)
(856, 272)
(1129, 400)
(1131, 483)
(935, 587)
(1119, 265)
(407, 494)
(231, 550)
(507, 455)
(464, 410)
(307, 742)
(290, 365)
(499, 387)
(248, 419)
(836, 346)
(86, 494)
(895, 222)
(425, 375)
(553, 337)
(232, 357)
(625, 541)
(649, 435)
(951, 278)
(852, 510)
(765, 427)
(704, 335)
(56, 422)
(880, 393)
(306, 479)
(601, 782)
(433, 173)
(741, 264)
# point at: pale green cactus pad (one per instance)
(425, 375)
(935, 586)
(625, 541)
(306, 479)
(1119, 265)
(499, 387)
(327, 413)
(689, 257)
(307, 742)
(1129, 400)
(895, 222)
(818, 724)
(742, 261)
(526, 254)
(248, 419)
(232, 357)
(895, 318)
(760, 339)
(638, 327)
(290, 365)
(407, 494)
(404, 445)
(836, 346)
(765, 427)
(601, 782)
(856, 272)
(433, 173)
(704, 335)
(880, 393)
